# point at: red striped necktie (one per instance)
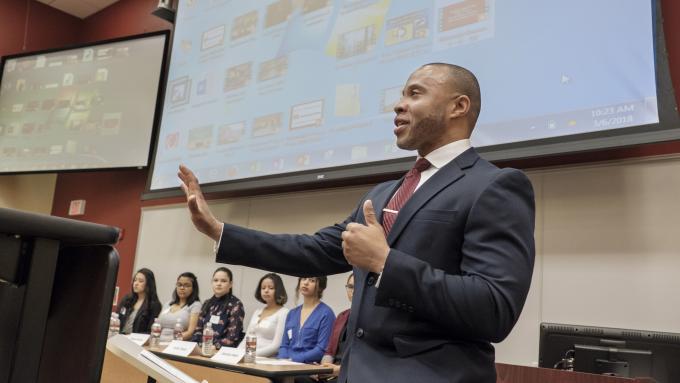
(403, 194)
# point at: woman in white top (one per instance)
(185, 306)
(268, 322)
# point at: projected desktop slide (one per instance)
(268, 87)
(84, 108)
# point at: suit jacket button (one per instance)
(371, 280)
(410, 309)
(360, 333)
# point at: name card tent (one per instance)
(57, 280)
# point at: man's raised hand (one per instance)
(201, 215)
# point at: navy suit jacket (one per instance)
(456, 278)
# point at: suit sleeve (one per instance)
(497, 256)
(297, 255)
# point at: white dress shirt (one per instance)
(442, 156)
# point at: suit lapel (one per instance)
(447, 175)
(380, 200)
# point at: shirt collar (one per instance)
(445, 154)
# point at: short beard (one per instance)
(430, 127)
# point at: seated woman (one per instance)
(268, 322)
(224, 311)
(308, 326)
(138, 309)
(184, 306)
(337, 345)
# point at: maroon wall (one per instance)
(47, 27)
(112, 198)
(124, 18)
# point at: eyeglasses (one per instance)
(349, 287)
(183, 286)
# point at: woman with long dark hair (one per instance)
(139, 308)
(308, 326)
(223, 310)
(184, 306)
(267, 323)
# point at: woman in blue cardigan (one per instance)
(308, 326)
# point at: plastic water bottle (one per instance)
(167, 335)
(177, 335)
(251, 348)
(114, 325)
(155, 339)
(208, 335)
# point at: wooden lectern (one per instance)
(57, 278)
(509, 373)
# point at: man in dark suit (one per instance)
(442, 268)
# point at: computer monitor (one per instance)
(611, 351)
(608, 360)
(57, 278)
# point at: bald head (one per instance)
(462, 81)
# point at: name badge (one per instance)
(180, 348)
(228, 355)
(290, 333)
(215, 319)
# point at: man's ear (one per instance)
(459, 106)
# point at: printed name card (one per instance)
(229, 355)
(139, 339)
(180, 348)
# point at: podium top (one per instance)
(67, 231)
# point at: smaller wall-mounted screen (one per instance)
(91, 107)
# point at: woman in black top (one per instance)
(138, 309)
(224, 311)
